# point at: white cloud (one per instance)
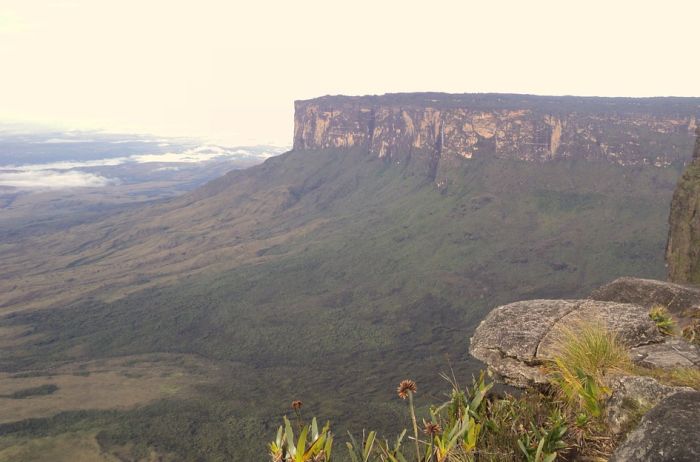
(52, 179)
(198, 154)
(64, 140)
(67, 174)
(69, 164)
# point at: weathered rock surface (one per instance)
(508, 338)
(683, 247)
(669, 432)
(673, 352)
(631, 397)
(656, 131)
(680, 299)
(515, 339)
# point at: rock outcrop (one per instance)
(632, 396)
(669, 354)
(683, 248)
(517, 340)
(514, 340)
(628, 131)
(680, 299)
(666, 433)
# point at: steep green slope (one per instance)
(337, 275)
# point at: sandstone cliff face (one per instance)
(683, 248)
(653, 131)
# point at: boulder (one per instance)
(669, 432)
(508, 338)
(514, 340)
(631, 397)
(680, 299)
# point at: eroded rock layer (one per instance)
(656, 131)
(683, 248)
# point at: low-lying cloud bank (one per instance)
(200, 154)
(51, 179)
(67, 174)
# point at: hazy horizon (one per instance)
(230, 74)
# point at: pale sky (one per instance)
(229, 71)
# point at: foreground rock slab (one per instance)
(670, 354)
(514, 340)
(632, 396)
(669, 432)
(679, 299)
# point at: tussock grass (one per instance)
(590, 347)
(585, 352)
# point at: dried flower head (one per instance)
(296, 405)
(431, 428)
(405, 387)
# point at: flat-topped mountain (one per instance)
(329, 273)
(628, 131)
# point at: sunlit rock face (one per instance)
(683, 248)
(628, 131)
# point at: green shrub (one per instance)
(541, 445)
(662, 318)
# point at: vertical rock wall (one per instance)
(532, 128)
(683, 248)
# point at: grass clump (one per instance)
(584, 354)
(662, 318)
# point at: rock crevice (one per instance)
(514, 339)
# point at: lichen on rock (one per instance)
(515, 340)
(666, 433)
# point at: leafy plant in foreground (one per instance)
(542, 444)
(311, 445)
(460, 417)
(370, 449)
(361, 452)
